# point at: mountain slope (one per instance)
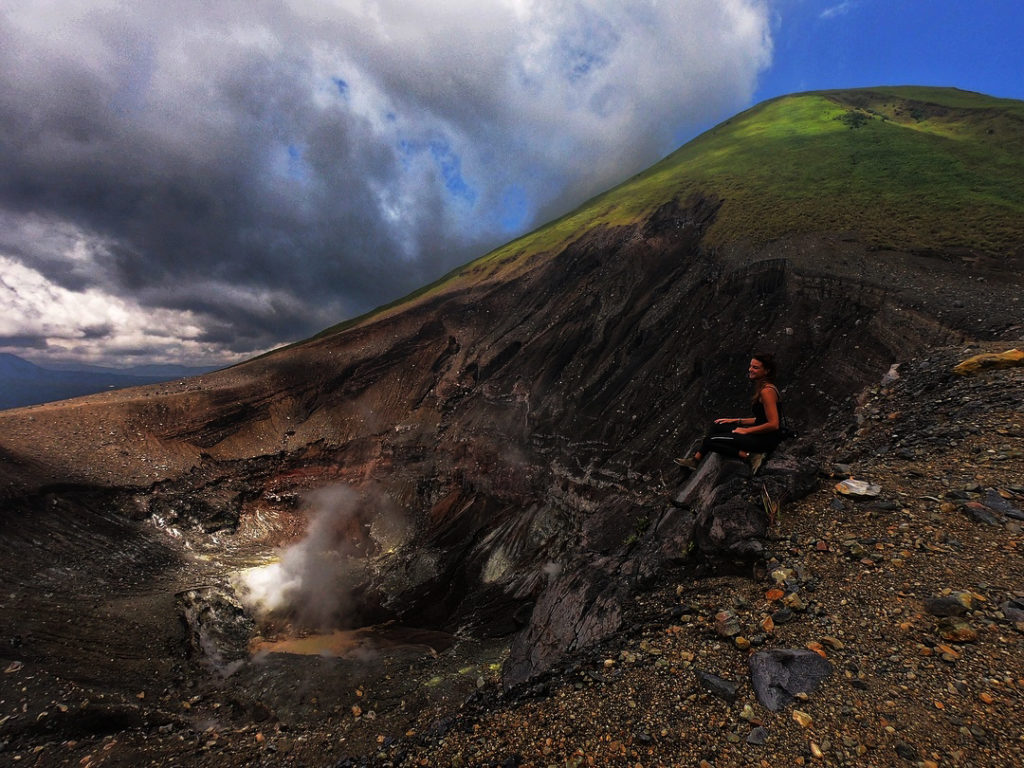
(519, 417)
(925, 170)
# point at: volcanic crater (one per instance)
(451, 495)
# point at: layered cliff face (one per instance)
(504, 440)
(521, 432)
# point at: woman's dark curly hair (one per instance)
(767, 359)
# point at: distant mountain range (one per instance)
(23, 383)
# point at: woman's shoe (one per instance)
(689, 463)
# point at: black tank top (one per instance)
(760, 417)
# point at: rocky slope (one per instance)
(912, 596)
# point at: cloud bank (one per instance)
(194, 182)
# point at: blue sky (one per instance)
(977, 46)
(163, 199)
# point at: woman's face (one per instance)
(756, 370)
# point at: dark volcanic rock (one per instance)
(777, 675)
(582, 604)
(945, 606)
(979, 513)
(995, 502)
(734, 528)
(219, 629)
(1014, 609)
(720, 687)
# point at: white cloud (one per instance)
(95, 326)
(837, 10)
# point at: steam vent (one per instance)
(451, 532)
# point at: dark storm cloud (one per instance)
(260, 171)
(23, 342)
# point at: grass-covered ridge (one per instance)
(912, 168)
(909, 168)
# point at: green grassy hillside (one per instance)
(910, 168)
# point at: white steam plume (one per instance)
(311, 584)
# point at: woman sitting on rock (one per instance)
(744, 436)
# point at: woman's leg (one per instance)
(714, 429)
(741, 445)
(717, 437)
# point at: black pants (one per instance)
(721, 439)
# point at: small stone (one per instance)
(905, 751)
(945, 606)
(816, 752)
(818, 648)
(979, 513)
(782, 616)
(957, 631)
(757, 737)
(803, 719)
(947, 650)
(1013, 610)
(858, 489)
(727, 624)
(793, 601)
(720, 687)
(742, 643)
(856, 550)
(782, 575)
(832, 642)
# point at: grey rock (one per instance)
(778, 675)
(720, 687)
(782, 616)
(997, 503)
(758, 736)
(906, 751)
(979, 513)
(945, 606)
(1013, 609)
(727, 624)
(582, 604)
(732, 528)
(218, 627)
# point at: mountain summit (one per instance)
(491, 456)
